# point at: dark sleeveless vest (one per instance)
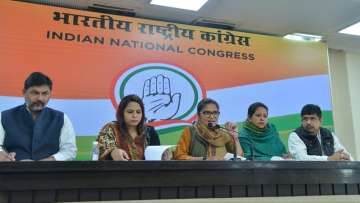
(312, 142)
(32, 139)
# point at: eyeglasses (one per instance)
(210, 113)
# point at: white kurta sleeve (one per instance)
(297, 149)
(2, 135)
(338, 146)
(67, 148)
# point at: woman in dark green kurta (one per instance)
(263, 135)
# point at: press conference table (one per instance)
(136, 180)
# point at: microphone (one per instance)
(244, 140)
(213, 126)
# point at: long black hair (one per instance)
(121, 110)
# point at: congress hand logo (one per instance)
(160, 103)
(170, 94)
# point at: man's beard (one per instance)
(36, 106)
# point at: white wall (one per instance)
(353, 72)
(345, 90)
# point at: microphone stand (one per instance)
(248, 141)
(235, 145)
